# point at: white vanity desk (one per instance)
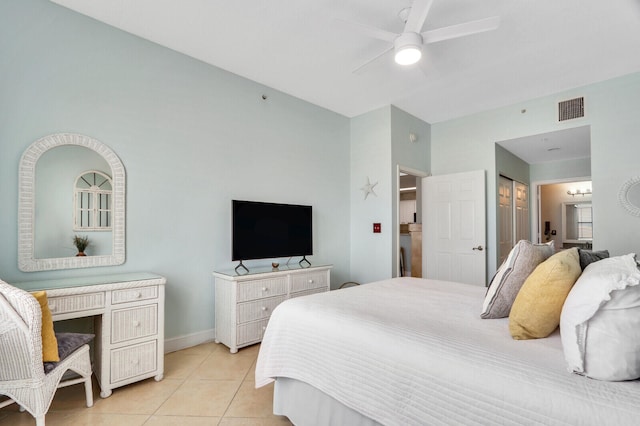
(128, 311)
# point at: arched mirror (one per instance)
(66, 180)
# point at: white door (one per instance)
(523, 226)
(505, 218)
(454, 234)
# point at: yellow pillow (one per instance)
(49, 341)
(536, 311)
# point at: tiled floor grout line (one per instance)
(244, 378)
(182, 382)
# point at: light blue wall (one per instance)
(413, 155)
(191, 137)
(379, 143)
(511, 166)
(371, 257)
(612, 110)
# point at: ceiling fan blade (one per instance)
(366, 65)
(367, 30)
(461, 30)
(417, 16)
(430, 66)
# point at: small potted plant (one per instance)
(81, 244)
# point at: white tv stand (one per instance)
(244, 302)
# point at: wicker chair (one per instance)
(22, 374)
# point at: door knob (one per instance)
(479, 248)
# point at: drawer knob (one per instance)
(138, 295)
(52, 307)
(136, 323)
(264, 289)
(264, 308)
(135, 361)
(264, 327)
(310, 281)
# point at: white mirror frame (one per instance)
(623, 196)
(26, 206)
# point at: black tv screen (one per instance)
(268, 230)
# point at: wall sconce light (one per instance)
(583, 192)
(413, 137)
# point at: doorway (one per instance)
(563, 214)
(557, 157)
(408, 226)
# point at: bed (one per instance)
(410, 351)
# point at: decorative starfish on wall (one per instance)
(368, 188)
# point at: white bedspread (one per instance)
(412, 351)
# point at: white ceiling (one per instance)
(541, 47)
(568, 144)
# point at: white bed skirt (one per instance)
(305, 405)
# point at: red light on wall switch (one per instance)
(377, 228)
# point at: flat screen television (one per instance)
(269, 230)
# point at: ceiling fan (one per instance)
(407, 45)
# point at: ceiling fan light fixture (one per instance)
(408, 55)
(408, 48)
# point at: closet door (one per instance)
(523, 224)
(513, 215)
(505, 218)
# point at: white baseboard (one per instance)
(188, 340)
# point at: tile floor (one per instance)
(203, 385)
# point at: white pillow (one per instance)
(600, 321)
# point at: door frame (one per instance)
(396, 249)
(535, 203)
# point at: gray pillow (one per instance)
(67, 344)
(588, 256)
(506, 284)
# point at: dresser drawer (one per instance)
(251, 332)
(76, 302)
(307, 292)
(252, 290)
(134, 294)
(132, 361)
(302, 282)
(258, 309)
(133, 323)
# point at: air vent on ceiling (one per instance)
(573, 108)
